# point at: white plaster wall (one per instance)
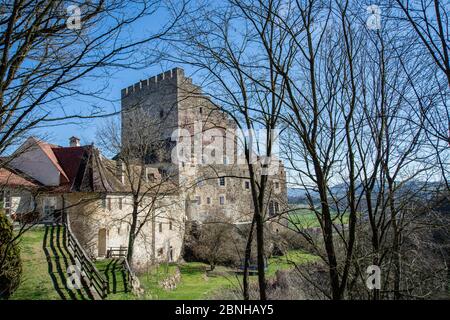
(34, 162)
(87, 218)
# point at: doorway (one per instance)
(102, 242)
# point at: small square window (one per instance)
(7, 202)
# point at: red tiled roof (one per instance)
(16, 179)
(69, 159)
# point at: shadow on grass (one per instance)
(58, 261)
(115, 274)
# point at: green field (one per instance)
(45, 263)
(305, 218)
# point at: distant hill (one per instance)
(416, 187)
(298, 195)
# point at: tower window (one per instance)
(247, 185)
(222, 181)
(271, 209)
(120, 203)
(160, 227)
(222, 200)
(161, 113)
(208, 200)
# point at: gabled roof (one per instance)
(16, 178)
(47, 149)
(83, 169)
(70, 159)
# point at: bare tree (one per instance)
(429, 21)
(47, 48)
(147, 186)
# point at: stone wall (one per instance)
(88, 216)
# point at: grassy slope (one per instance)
(196, 283)
(44, 268)
(115, 275)
(36, 282)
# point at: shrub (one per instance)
(10, 264)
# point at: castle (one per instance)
(203, 179)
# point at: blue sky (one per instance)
(116, 80)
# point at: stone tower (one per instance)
(175, 103)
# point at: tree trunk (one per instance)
(153, 238)
(132, 235)
(248, 252)
(260, 255)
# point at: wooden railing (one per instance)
(92, 276)
(132, 279)
(117, 252)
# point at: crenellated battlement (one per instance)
(164, 77)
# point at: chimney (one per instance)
(74, 142)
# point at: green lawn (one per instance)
(45, 262)
(113, 271)
(306, 218)
(197, 283)
(289, 261)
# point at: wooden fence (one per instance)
(92, 276)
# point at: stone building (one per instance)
(181, 112)
(204, 178)
(49, 181)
